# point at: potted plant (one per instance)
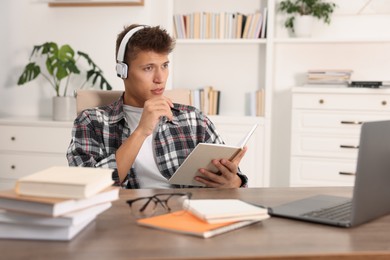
(61, 62)
(301, 14)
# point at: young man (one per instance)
(143, 135)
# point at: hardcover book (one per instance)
(65, 182)
(222, 210)
(39, 232)
(9, 200)
(202, 156)
(70, 219)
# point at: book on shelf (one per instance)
(202, 156)
(186, 223)
(10, 200)
(222, 210)
(40, 232)
(263, 33)
(65, 182)
(255, 102)
(70, 219)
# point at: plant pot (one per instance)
(64, 108)
(303, 25)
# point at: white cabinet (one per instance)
(325, 132)
(29, 145)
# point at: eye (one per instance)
(148, 68)
(165, 65)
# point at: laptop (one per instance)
(371, 192)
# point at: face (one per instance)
(147, 77)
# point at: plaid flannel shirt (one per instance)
(98, 133)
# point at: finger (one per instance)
(211, 176)
(206, 180)
(169, 101)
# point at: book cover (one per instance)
(9, 200)
(65, 182)
(202, 156)
(71, 219)
(39, 232)
(186, 223)
(222, 210)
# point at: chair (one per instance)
(94, 98)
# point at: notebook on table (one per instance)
(371, 191)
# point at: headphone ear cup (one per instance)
(121, 70)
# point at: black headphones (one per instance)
(121, 66)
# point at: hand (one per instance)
(154, 109)
(226, 177)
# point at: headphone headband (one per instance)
(121, 66)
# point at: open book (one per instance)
(202, 156)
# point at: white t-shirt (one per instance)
(145, 164)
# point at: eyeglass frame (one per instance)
(158, 201)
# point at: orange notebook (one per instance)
(186, 223)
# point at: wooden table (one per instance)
(114, 235)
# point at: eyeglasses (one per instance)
(169, 202)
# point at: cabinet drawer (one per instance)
(363, 102)
(333, 121)
(307, 171)
(325, 146)
(35, 139)
(13, 166)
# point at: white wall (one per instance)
(24, 23)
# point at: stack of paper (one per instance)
(52, 212)
(209, 217)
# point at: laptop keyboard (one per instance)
(341, 212)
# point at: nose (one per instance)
(160, 76)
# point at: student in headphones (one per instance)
(143, 135)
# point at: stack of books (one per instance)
(56, 203)
(223, 25)
(334, 77)
(208, 217)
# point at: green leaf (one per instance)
(95, 75)
(30, 72)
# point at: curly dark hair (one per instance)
(153, 39)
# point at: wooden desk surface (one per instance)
(114, 235)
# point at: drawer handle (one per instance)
(351, 122)
(384, 103)
(321, 101)
(13, 138)
(349, 146)
(347, 173)
(13, 167)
